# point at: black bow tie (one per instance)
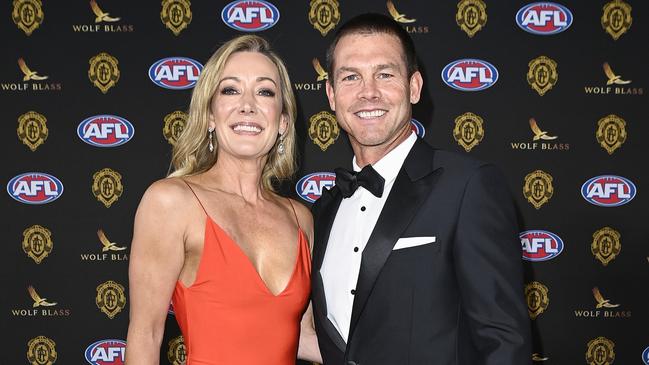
(348, 181)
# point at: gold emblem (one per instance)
(600, 351)
(616, 19)
(468, 131)
(41, 351)
(606, 245)
(471, 16)
(323, 129)
(105, 242)
(537, 357)
(29, 75)
(536, 296)
(110, 298)
(28, 15)
(101, 16)
(107, 186)
(38, 301)
(176, 14)
(324, 15)
(538, 188)
(103, 71)
(612, 77)
(177, 353)
(601, 302)
(538, 133)
(37, 242)
(611, 133)
(32, 129)
(398, 17)
(542, 74)
(322, 74)
(174, 123)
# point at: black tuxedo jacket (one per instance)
(456, 301)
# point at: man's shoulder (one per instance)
(453, 161)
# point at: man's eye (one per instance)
(384, 75)
(228, 91)
(350, 77)
(266, 92)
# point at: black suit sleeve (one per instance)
(488, 264)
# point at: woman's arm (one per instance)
(308, 348)
(157, 257)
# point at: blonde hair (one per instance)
(191, 155)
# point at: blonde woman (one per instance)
(214, 237)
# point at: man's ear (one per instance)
(416, 84)
(331, 95)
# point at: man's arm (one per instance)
(487, 257)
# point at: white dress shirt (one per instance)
(354, 222)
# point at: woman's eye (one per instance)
(228, 91)
(266, 92)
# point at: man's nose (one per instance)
(369, 90)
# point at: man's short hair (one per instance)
(371, 23)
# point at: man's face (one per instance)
(371, 92)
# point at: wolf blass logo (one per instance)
(313, 86)
(405, 20)
(603, 308)
(41, 307)
(107, 246)
(103, 22)
(541, 140)
(31, 80)
(616, 84)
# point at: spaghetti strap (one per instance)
(195, 196)
(294, 213)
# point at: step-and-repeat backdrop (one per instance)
(94, 94)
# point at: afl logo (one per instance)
(608, 190)
(176, 73)
(250, 16)
(310, 187)
(105, 131)
(544, 18)
(417, 127)
(35, 188)
(540, 245)
(106, 352)
(470, 75)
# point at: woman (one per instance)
(214, 237)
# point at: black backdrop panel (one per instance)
(586, 291)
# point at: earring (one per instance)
(280, 146)
(210, 146)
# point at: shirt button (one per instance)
(355, 249)
(353, 291)
(362, 208)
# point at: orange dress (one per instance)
(228, 316)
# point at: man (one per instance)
(416, 257)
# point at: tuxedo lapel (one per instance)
(413, 183)
(324, 213)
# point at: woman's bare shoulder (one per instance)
(166, 196)
(304, 216)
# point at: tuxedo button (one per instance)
(362, 209)
(355, 249)
(353, 291)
